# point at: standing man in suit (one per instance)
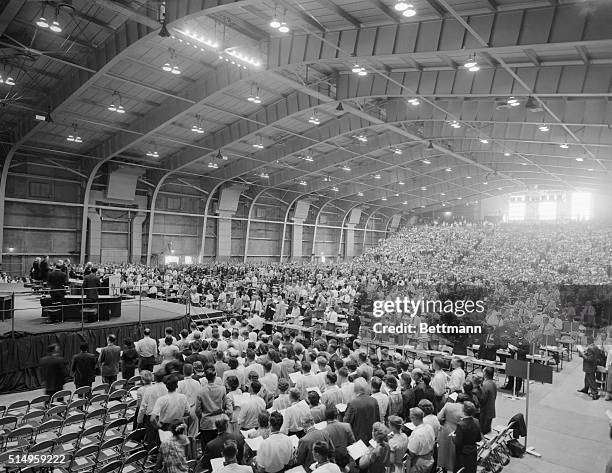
(354, 323)
(44, 268)
(91, 285)
(53, 370)
(109, 360)
(362, 411)
(487, 401)
(57, 282)
(84, 367)
(589, 365)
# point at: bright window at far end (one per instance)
(516, 211)
(547, 210)
(581, 203)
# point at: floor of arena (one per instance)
(28, 317)
(567, 428)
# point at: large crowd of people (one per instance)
(272, 398)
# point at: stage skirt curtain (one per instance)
(19, 357)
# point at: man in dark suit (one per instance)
(354, 323)
(214, 448)
(589, 365)
(362, 412)
(91, 284)
(83, 367)
(53, 370)
(109, 360)
(44, 268)
(487, 400)
(57, 281)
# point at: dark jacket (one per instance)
(519, 427)
(91, 284)
(589, 359)
(53, 371)
(361, 413)
(304, 455)
(84, 368)
(56, 281)
(467, 434)
(214, 448)
(109, 360)
(487, 400)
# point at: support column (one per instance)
(349, 243)
(94, 238)
(297, 237)
(136, 238)
(224, 235)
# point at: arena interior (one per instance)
(306, 236)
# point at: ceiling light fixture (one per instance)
(236, 58)
(42, 20)
(484, 141)
(376, 176)
(405, 202)
(275, 22)
(513, 102)
(314, 118)
(579, 159)
(401, 5)
(197, 126)
(254, 97)
(564, 145)
(360, 71)
(153, 153)
(171, 65)
(220, 156)
(448, 169)
(414, 101)
(426, 161)
(409, 11)
(346, 168)
(116, 105)
(8, 81)
(74, 137)
(471, 64)
(468, 177)
(259, 143)
(335, 189)
(442, 194)
(361, 137)
(506, 154)
(455, 124)
(360, 194)
(423, 188)
(264, 175)
(401, 183)
(303, 183)
(383, 198)
(308, 158)
(213, 165)
(397, 151)
(543, 127)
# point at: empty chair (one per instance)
(66, 443)
(60, 397)
(119, 384)
(100, 388)
(76, 406)
(97, 401)
(191, 465)
(82, 392)
(19, 439)
(134, 381)
(4, 459)
(18, 408)
(73, 423)
(116, 411)
(48, 430)
(95, 417)
(117, 396)
(7, 424)
(134, 441)
(115, 428)
(91, 435)
(40, 402)
(110, 450)
(42, 447)
(33, 418)
(135, 462)
(132, 405)
(112, 467)
(82, 460)
(56, 412)
(151, 460)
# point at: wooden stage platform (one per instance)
(28, 318)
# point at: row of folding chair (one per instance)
(493, 454)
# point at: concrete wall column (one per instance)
(224, 235)
(297, 236)
(136, 237)
(349, 243)
(94, 238)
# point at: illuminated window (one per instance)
(581, 205)
(188, 260)
(516, 210)
(547, 210)
(172, 259)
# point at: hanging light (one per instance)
(414, 101)
(471, 64)
(259, 143)
(283, 28)
(314, 118)
(275, 23)
(513, 102)
(543, 127)
(360, 194)
(171, 65)
(335, 189)
(484, 141)
(197, 126)
(423, 188)
(74, 136)
(405, 202)
(42, 20)
(579, 159)
(220, 156)
(360, 71)
(303, 183)
(426, 161)
(409, 11)
(383, 198)
(116, 105)
(55, 26)
(401, 183)
(361, 137)
(564, 145)
(264, 175)
(506, 154)
(346, 168)
(254, 97)
(401, 5)
(455, 124)
(376, 176)
(397, 151)
(442, 194)
(213, 165)
(308, 158)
